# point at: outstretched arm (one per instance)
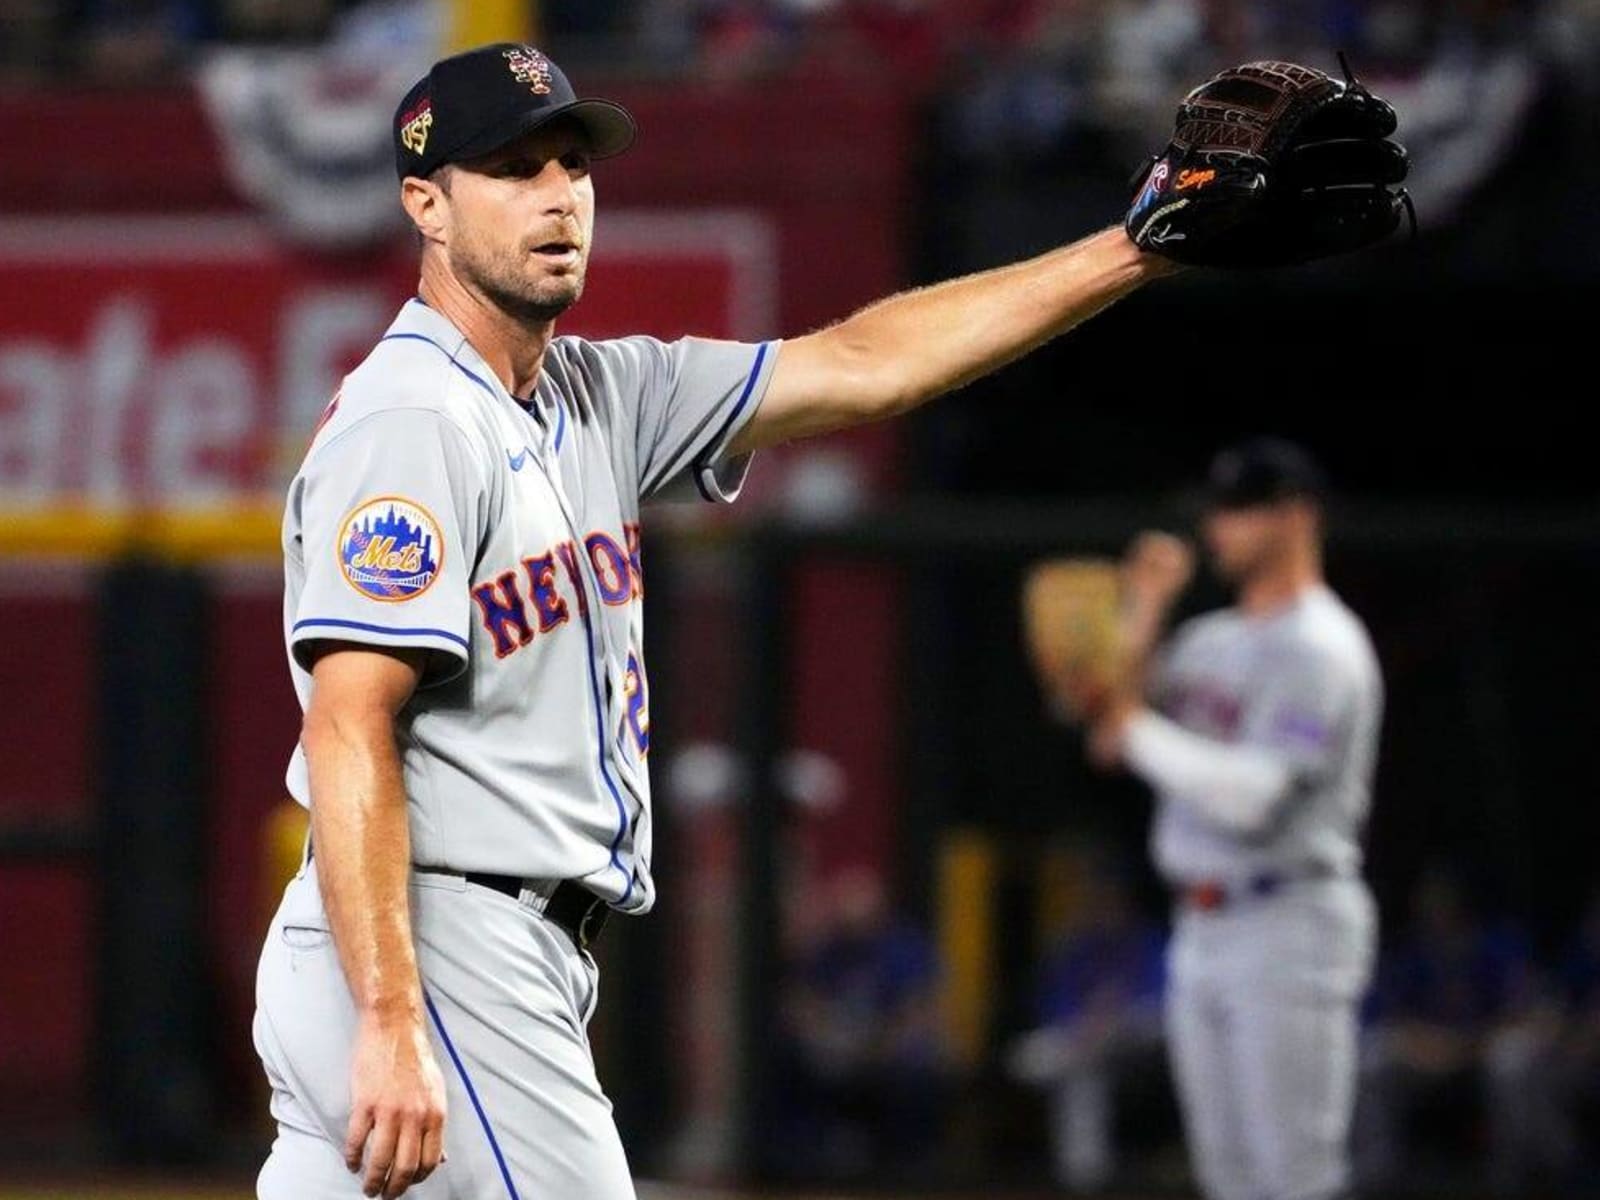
(903, 351)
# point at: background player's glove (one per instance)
(1272, 163)
(1071, 610)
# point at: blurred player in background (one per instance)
(1257, 728)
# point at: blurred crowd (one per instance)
(1041, 76)
(1480, 1050)
(1105, 52)
(1089, 85)
(1480, 1059)
(863, 1072)
(123, 43)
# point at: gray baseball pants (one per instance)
(1262, 1020)
(508, 996)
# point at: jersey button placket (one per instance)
(599, 642)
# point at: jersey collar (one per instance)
(419, 318)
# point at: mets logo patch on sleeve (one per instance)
(390, 549)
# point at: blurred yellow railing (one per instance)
(968, 879)
(249, 531)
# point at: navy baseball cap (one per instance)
(1263, 470)
(476, 102)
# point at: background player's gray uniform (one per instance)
(1264, 990)
(435, 511)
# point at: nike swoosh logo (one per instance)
(518, 459)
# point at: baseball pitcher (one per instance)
(463, 614)
(1257, 728)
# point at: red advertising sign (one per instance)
(157, 362)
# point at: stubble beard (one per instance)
(528, 302)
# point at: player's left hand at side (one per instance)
(397, 1105)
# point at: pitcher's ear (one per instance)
(426, 202)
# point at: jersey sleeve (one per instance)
(695, 395)
(388, 516)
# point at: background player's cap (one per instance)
(1263, 470)
(476, 102)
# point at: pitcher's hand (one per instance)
(397, 1105)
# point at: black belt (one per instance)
(572, 906)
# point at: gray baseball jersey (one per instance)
(436, 511)
(1302, 685)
